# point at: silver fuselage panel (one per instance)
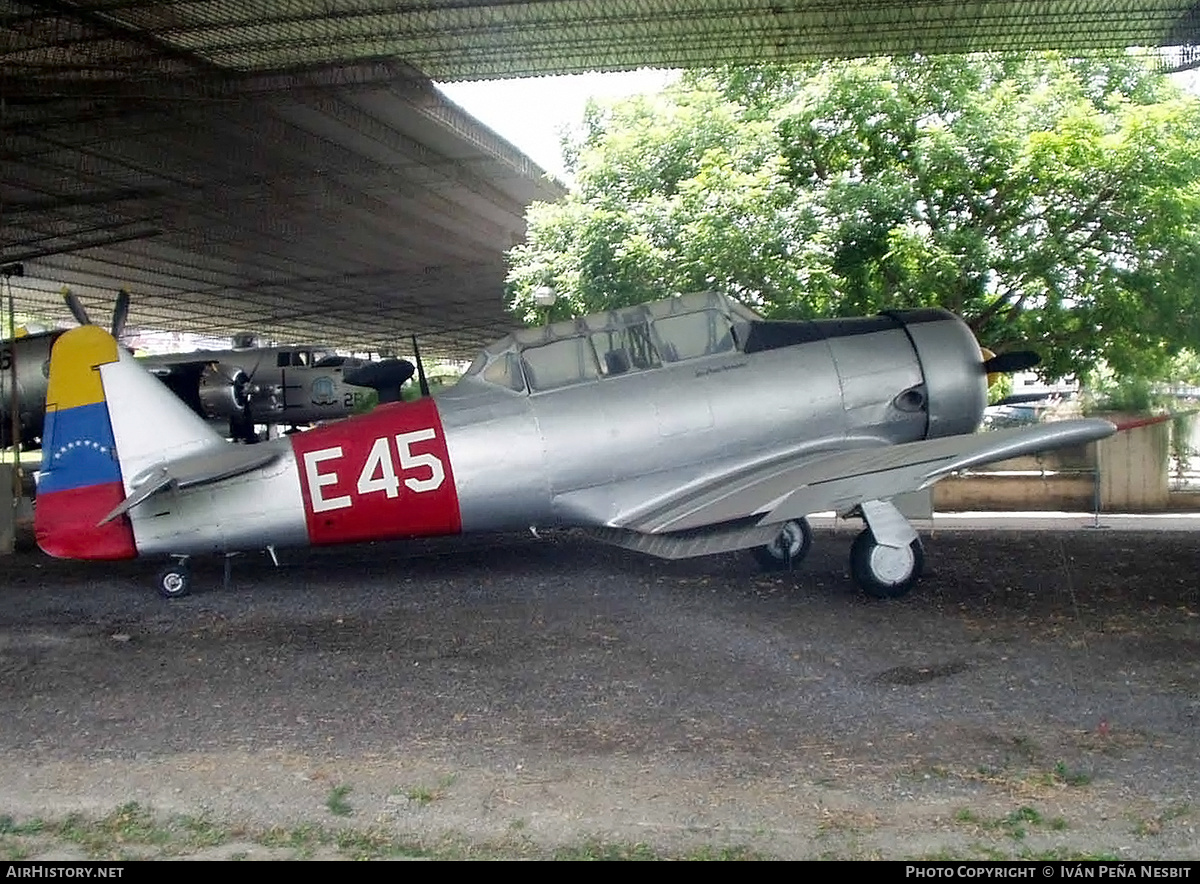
(252, 511)
(598, 452)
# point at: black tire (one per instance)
(788, 549)
(885, 572)
(174, 581)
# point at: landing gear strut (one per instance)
(789, 547)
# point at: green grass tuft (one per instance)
(1069, 777)
(336, 802)
(593, 850)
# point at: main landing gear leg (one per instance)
(887, 558)
(229, 569)
(175, 580)
(788, 549)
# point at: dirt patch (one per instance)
(912, 675)
(1037, 695)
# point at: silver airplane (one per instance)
(682, 427)
(238, 388)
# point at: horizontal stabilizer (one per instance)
(384, 377)
(202, 468)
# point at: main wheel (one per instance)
(174, 581)
(789, 547)
(885, 572)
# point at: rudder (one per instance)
(80, 480)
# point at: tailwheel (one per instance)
(789, 547)
(174, 581)
(885, 572)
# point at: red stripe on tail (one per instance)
(66, 523)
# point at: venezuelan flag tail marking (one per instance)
(80, 481)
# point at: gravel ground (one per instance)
(1037, 695)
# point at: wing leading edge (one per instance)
(810, 483)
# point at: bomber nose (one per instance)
(385, 377)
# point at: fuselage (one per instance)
(585, 422)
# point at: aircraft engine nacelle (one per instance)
(952, 366)
(909, 374)
(31, 355)
(224, 392)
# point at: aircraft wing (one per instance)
(202, 468)
(167, 366)
(809, 483)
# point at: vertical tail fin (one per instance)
(80, 479)
(107, 421)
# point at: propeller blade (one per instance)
(1007, 363)
(420, 368)
(120, 313)
(76, 307)
(1134, 422)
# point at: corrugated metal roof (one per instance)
(352, 206)
(461, 39)
(254, 164)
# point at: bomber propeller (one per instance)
(120, 311)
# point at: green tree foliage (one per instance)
(1054, 203)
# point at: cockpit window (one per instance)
(559, 364)
(626, 349)
(689, 335)
(477, 365)
(505, 372)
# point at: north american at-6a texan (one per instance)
(683, 427)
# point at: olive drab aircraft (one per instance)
(679, 428)
(238, 388)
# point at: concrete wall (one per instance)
(1133, 467)
(1125, 473)
(988, 492)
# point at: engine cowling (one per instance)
(224, 392)
(921, 368)
(952, 365)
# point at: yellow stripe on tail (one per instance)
(78, 355)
